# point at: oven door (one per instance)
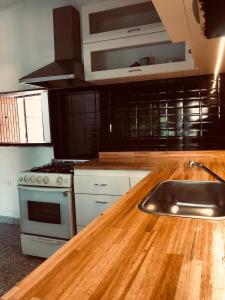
(46, 211)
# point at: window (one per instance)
(24, 118)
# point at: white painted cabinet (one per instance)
(97, 190)
(102, 185)
(118, 19)
(123, 39)
(114, 59)
(136, 177)
(88, 207)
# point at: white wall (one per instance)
(13, 160)
(26, 38)
(26, 44)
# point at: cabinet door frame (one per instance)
(114, 34)
(146, 39)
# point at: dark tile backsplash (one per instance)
(170, 114)
(173, 114)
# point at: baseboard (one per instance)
(9, 220)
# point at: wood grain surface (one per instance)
(127, 254)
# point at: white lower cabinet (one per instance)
(97, 190)
(138, 176)
(88, 207)
(102, 185)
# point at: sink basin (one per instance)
(186, 198)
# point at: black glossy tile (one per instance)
(174, 114)
(150, 115)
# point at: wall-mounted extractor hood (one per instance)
(67, 69)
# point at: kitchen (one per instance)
(111, 134)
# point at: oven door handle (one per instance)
(46, 241)
(44, 189)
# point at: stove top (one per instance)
(58, 166)
(59, 173)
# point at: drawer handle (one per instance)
(135, 70)
(102, 202)
(134, 30)
(100, 184)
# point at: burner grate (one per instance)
(64, 168)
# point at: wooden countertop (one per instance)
(97, 164)
(127, 254)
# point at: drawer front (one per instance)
(102, 185)
(39, 246)
(88, 207)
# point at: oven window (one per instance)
(44, 212)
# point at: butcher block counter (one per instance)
(127, 254)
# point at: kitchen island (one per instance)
(128, 254)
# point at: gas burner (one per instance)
(57, 166)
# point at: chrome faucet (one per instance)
(193, 163)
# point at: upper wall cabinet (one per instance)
(126, 39)
(155, 53)
(118, 19)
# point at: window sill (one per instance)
(25, 145)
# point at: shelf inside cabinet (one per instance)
(148, 54)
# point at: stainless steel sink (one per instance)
(185, 198)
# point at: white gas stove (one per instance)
(47, 207)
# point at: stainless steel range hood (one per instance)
(67, 69)
(58, 74)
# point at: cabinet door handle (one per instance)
(135, 70)
(100, 184)
(134, 30)
(102, 202)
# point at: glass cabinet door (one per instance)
(123, 17)
(143, 55)
(131, 17)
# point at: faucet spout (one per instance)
(207, 170)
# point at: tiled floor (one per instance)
(13, 264)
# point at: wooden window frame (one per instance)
(45, 118)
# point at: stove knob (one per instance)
(33, 179)
(59, 180)
(21, 179)
(26, 179)
(39, 179)
(46, 180)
